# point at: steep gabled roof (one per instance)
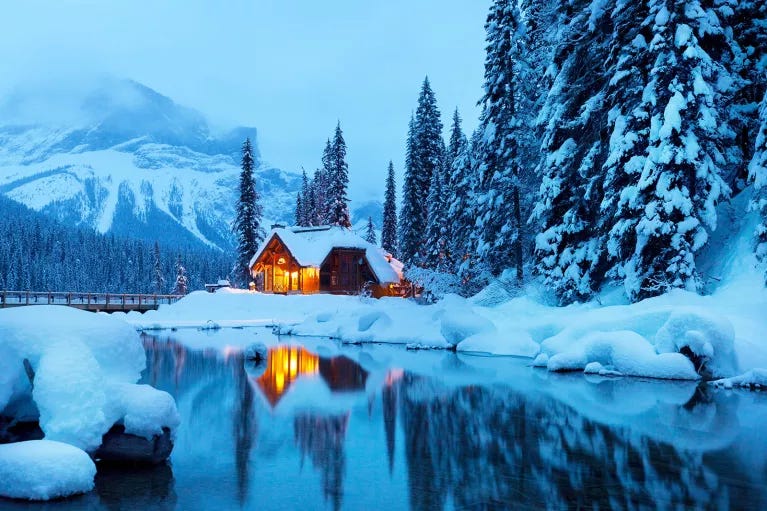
(311, 245)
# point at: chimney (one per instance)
(278, 226)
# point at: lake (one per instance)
(325, 426)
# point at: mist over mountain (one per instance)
(123, 158)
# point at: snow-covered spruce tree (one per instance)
(320, 187)
(499, 221)
(758, 176)
(435, 255)
(569, 249)
(748, 40)
(370, 232)
(455, 148)
(158, 279)
(339, 182)
(181, 285)
(425, 155)
(627, 66)
(306, 206)
(410, 213)
(681, 184)
(299, 215)
(464, 178)
(312, 216)
(247, 223)
(389, 231)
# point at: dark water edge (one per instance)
(321, 426)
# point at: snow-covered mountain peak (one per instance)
(121, 157)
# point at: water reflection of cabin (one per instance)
(285, 364)
(306, 260)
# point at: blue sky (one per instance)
(291, 68)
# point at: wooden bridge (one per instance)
(96, 302)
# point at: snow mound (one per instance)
(143, 410)
(514, 343)
(625, 352)
(542, 360)
(84, 366)
(459, 324)
(44, 470)
(709, 338)
(755, 378)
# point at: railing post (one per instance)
(123, 300)
(27, 297)
(139, 302)
(69, 298)
(106, 306)
(4, 298)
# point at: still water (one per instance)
(320, 426)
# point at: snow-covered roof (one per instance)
(311, 245)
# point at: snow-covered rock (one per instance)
(625, 352)
(709, 337)
(755, 378)
(85, 366)
(44, 470)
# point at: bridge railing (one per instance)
(107, 300)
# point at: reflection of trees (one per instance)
(322, 438)
(389, 398)
(490, 448)
(245, 427)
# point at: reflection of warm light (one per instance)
(392, 376)
(285, 364)
(281, 260)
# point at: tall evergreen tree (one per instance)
(389, 232)
(681, 181)
(339, 182)
(758, 176)
(307, 205)
(436, 251)
(628, 64)
(409, 224)
(370, 232)
(569, 249)
(299, 214)
(158, 278)
(461, 210)
(249, 212)
(499, 237)
(425, 150)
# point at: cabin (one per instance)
(324, 259)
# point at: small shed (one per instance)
(212, 288)
(306, 260)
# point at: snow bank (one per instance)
(84, 368)
(622, 352)
(755, 378)
(44, 470)
(513, 343)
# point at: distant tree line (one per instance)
(38, 253)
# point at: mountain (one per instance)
(122, 158)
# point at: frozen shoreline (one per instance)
(723, 332)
